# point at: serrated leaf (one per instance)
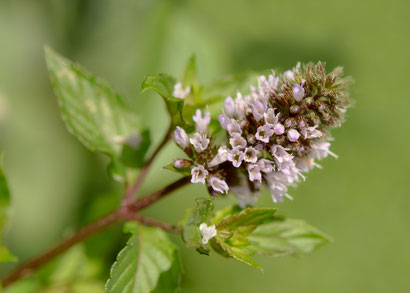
(5, 254)
(225, 213)
(286, 237)
(234, 228)
(163, 84)
(95, 113)
(149, 263)
(240, 254)
(191, 234)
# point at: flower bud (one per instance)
(182, 164)
(298, 92)
(229, 106)
(279, 129)
(181, 138)
(293, 135)
(295, 109)
(290, 122)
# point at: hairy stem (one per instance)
(97, 226)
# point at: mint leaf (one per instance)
(96, 114)
(163, 84)
(190, 79)
(148, 263)
(5, 254)
(241, 255)
(233, 230)
(286, 237)
(191, 234)
(247, 219)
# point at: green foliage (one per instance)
(286, 237)
(5, 254)
(190, 225)
(190, 79)
(163, 84)
(149, 263)
(97, 115)
(234, 229)
(247, 220)
(258, 231)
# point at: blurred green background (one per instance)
(362, 199)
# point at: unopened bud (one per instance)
(294, 109)
(290, 122)
(182, 164)
(181, 138)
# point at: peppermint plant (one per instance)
(244, 136)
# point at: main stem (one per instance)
(126, 212)
(89, 230)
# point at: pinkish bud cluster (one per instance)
(273, 134)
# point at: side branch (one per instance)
(133, 190)
(157, 195)
(155, 223)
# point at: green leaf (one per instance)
(233, 229)
(190, 225)
(163, 84)
(248, 218)
(5, 254)
(190, 79)
(240, 254)
(149, 263)
(96, 114)
(225, 213)
(286, 237)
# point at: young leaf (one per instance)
(234, 228)
(96, 114)
(190, 225)
(225, 213)
(163, 84)
(190, 79)
(248, 218)
(286, 237)
(149, 263)
(5, 255)
(240, 254)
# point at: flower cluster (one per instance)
(274, 134)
